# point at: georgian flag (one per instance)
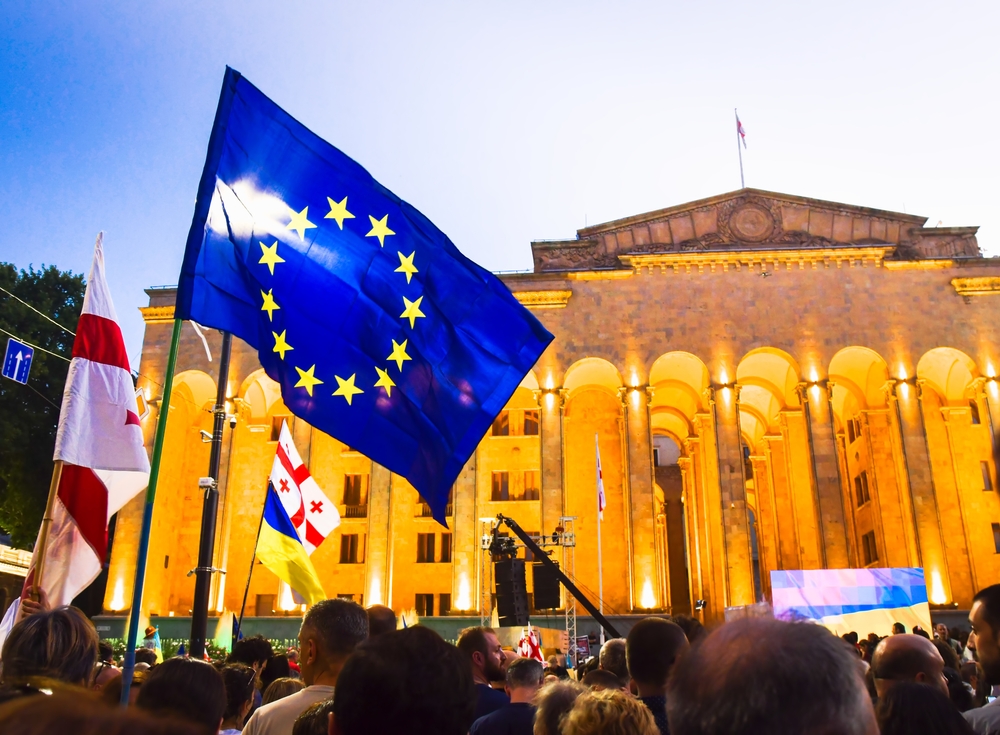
(530, 646)
(739, 129)
(602, 502)
(311, 511)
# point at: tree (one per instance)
(31, 412)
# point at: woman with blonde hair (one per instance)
(609, 712)
(281, 688)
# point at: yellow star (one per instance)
(399, 354)
(384, 381)
(412, 310)
(379, 229)
(346, 388)
(269, 304)
(300, 222)
(406, 265)
(307, 380)
(338, 211)
(280, 345)
(270, 256)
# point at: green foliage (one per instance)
(31, 413)
(169, 647)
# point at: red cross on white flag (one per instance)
(298, 492)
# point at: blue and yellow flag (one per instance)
(380, 332)
(280, 550)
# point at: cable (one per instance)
(36, 347)
(43, 397)
(41, 314)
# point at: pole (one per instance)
(253, 558)
(43, 534)
(210, 511)
(600, 567)
(147, 513)
(739, 149)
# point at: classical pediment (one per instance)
(752, 219)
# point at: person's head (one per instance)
(984, 616)
(315, 720)
(145, 656)
(907, 657)
(239, 681)
(276, 668)
(105, 652)
(898, 629)
(651, 648)
(483, 649)
(694, 631)
(917, 630)
(281, 688)
(910, 707)
(610, 712)
(72, 712)
(407, 682)
(762, 675)
(951, 659)
(554, 701)
(58, 644)
(851, 638)
(600, 679)
(331, 629)
(941, 631)
(960, 695)
(524, 677)
(253, 652)
(612, 658)
(293, 654)
(186, 688)
(381, 619)
(111, 693)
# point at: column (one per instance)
(696, 580)
(767, 533)
(551, 407)
(378, 562)
(641, 509)
(465, 539)
(951, 504)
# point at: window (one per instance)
(996, 537)
(352, 549)
(356, 496)
(870, 550)
(987, 477)
(276, 425)
(974, 411)
(425, 548)
(531, 423)
(501, 424)
(656, 457)
(861, 489)
(444, 603)
(851, 436)
(445, 548)
(531, 485)
(501, 486)
(424, 605)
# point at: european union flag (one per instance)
(379, 331)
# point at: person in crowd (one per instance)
(483, 650)
(873, 641)
(293, 660)
(907, 657)
(984, 617)
(381, 619)
(239, 682)
(612, 658)
(330, 631)
(694, 631)
(909, 707)
(254, 651)
(524, 678)
(917, 630)
(111, 694)
(554, 701)
(959, 694)
(599, 680)
(281, 688)
(973, 680)
(57, 644)
(942, 633)
(146, 657)
(948, 655)
(276, 668)
(316, 719)
(611, 712)
(105, 670)
(187, 689)
(651, 648)
(408, 682)
(898, 629)
(759, 675)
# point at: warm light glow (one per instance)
(723, 376)
(118, 598)
(220, 594)
(464, 600)
(550, 384)
(990, 370)
(648, 599)
(904, 390)
(550, 401)
(814, 392)
(902, 372)
(937, 594)
(813, 375)
(286, 603)
(635, 379)
(375, 591)
(170, 614)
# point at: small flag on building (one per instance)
(739, 129)
(602, 501)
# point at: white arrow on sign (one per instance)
(18, 358)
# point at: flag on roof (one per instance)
(739, 129)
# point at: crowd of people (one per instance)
(354, 673)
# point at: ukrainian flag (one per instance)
(280, 550)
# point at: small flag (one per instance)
(280, 549)
(742, 133)
(602, 502)
(530, 646)
(308, 507)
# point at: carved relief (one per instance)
(752, 223)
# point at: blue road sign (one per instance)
(17, 361)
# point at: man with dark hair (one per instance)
(984, 617)
(907, 657)
(483, 650)
(331, 630)
(651, 649)
(408, 682)
(381, 619)
(768, 676)
(524, 678)
(55, 644)
(186, 689)
(253, 652)
(898, 629)
(145, 656)
(612, 658)
(599, 679)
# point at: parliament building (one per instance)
(775, 382)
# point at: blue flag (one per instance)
(379, 331)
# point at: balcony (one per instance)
(424, 511)
(354, 511)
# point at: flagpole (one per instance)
(600, 567)
(739, 150)
(253, 558)
(43, 534)
(147, 513)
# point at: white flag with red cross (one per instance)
(602, 501)
(311, 511)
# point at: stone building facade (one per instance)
(775, 382)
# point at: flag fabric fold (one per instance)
(379, 331)
(739, 130)
(602, 501)
(280, 549)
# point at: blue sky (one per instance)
(503, 122)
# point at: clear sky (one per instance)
(503, 122)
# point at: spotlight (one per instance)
(699, 605)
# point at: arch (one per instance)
(259, 394)
(529, 381)
(861, 372)
(949, 372)
(769, 366)
(679, 381)
(199, 387)
(592, 372)
(668, 421)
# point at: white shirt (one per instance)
(278, 717)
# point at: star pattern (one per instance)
(399, 355)
(307, 379)
(406, 265)
(346, 388)
(338, 211)
(380, 229)
(269, 304)
(270, 256)
(280, 345)
(412, 310)
(300, 222)
(384, 381)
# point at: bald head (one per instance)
(907, 657)
(381, 619)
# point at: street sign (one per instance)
(17, 361)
